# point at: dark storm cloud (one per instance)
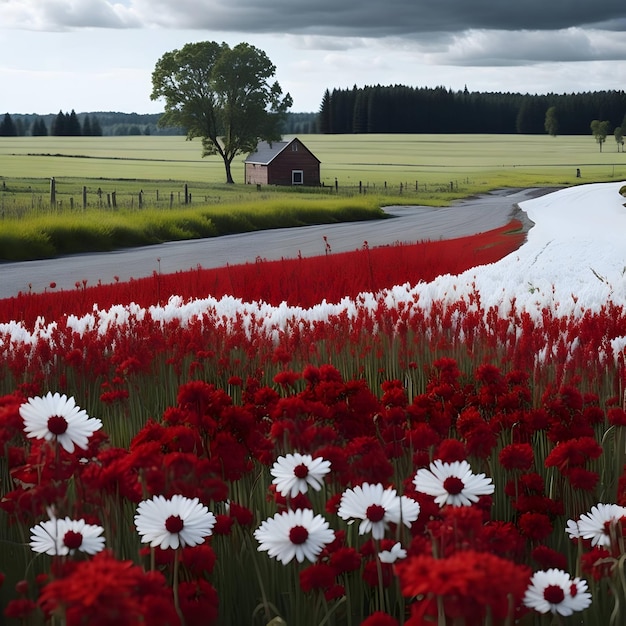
(382, 18)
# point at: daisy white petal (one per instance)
(396, 553)
(376, 507)
(59, 537)
(554, 591)
(598, 523)
(295, 534)
(57, 418)
(453, 483)
(295, 473)
(175, 522)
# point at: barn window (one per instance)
(297, 177)
(294, 147)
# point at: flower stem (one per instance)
(175, 588)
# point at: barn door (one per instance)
(297, 177)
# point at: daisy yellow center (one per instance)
(301, 471)
(298, 535)
(57, 425)
(375, 512)
(453, 485)
(553, 594)
(72, 540)
(173, 524)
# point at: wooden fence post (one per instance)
(84, 198)
(186, 194)
(53, 192)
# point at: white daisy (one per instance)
(298, 534)
(295, 473)
(377, 508)
(597, 525)
(174, 522)
(59, 537)
(452, 483)
(555, 591)
(57, 418)
(396, 553)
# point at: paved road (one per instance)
(407, 224)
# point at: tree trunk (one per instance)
(229, 176)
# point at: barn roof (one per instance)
(265, 152)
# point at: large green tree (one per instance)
(222, 95)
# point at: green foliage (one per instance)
(50, 235)
(7, 127)
(600, 130)
(618, 133)
(221, 95)
(552, 123)
(371, 171)
(402, 109)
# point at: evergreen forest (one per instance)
(378, 109)
(401, 109)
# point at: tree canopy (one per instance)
(600, 130)
(222, 95)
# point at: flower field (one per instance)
(372, 438)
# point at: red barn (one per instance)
(282, 163)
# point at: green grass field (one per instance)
(371, 159)
(127, 179)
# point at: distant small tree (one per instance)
(552, 123)
(146, 130)
(7, 127)
(619, 138)
(600, 130)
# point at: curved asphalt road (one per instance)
(408, 224)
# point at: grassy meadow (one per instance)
(135, 186)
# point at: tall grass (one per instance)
(48, 235)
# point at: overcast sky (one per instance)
(98, 55)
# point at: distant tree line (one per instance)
(83, 124)
(401, 109)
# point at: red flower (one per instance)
(547, 558)
(517, 456)
(317, 576)
(241, 514)
(466, 584)
(573, 453)
(345, 559)
(199, 602)
(20, 609)
(380, 619)
(450, 450)
(198, 559)
(580, 478)
(535, 526)
(104, 591)
(598, 562)
(370, 573)
(616, 416)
